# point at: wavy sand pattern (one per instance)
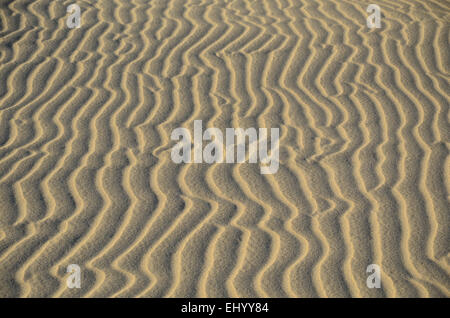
(86, 175)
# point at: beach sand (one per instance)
(86, 175)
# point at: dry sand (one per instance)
(86, 175)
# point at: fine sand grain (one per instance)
(86, 175)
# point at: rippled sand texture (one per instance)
(86, 175)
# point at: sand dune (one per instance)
(86, 175)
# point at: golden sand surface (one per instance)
(86, 175)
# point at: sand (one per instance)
(86, 175)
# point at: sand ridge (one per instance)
(86, 175)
